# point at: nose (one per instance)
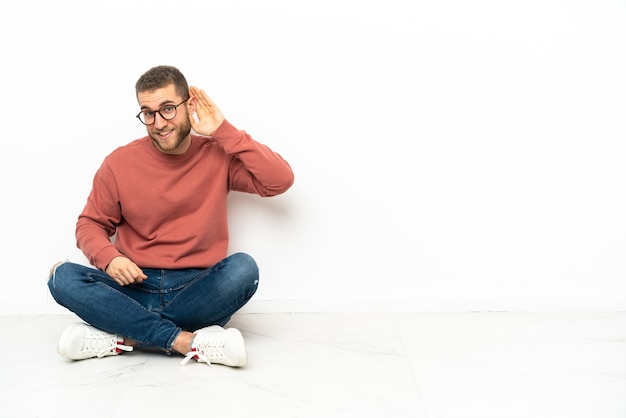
(159, 121)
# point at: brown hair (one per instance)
(162, 76)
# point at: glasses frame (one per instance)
(138, 116)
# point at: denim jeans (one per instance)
(154, 312)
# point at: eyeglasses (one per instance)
(167, 112)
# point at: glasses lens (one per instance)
(146, 117)
(168, 112)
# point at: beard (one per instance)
(181, 132)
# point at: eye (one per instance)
(168, 109)
(148, 113)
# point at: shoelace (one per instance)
(103, 344)
(206, 351)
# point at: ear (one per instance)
(191, 104)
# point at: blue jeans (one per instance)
(154, 312)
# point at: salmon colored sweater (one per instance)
(169, 211)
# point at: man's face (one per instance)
(169, 136)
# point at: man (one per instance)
(155, 227)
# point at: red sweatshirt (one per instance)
(169, 211)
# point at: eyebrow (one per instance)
(165, 103)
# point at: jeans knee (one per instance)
(56, 274)
(247, 266)
(57, 282)
(64, 279)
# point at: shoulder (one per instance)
(207, 145)
(203, 141)
(130, 150)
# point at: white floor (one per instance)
(450, 365)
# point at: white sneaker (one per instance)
(81, 341)
(215, 344)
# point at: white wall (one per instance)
(449, 155)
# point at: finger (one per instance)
(126, 277)
(198, 94)
(203, 100)
(129, 274)
(121, 280)
(135, 272)
(140, 276)
(209, 102)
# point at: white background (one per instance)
(449, 155)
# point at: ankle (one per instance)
(130, 343)
(182, 343)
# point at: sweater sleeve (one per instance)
(97, 222)
(255, 168)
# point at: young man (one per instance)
(165, 279)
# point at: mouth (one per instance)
(164, 134)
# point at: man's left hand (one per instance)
(210, 116)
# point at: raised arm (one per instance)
(255, 168)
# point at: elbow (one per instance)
(281, 186)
